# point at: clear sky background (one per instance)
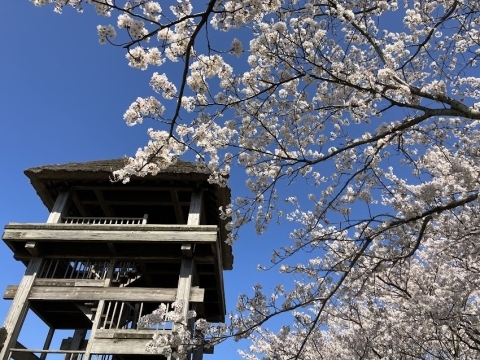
(62, 99)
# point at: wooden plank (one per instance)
(69, 282)
(59, 208)
(68, 293)
(18, 310)
(139, 227)
(166, 258)
(118, 346)
(127, 333)
(10, 292)
(110, 235)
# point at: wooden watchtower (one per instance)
(110, 253)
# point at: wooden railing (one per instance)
(125, 315)
(123, 273)
(22, 353)
(105, 220)
(73, 269)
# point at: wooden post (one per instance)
(187, 266)
(77, 339)
(98, 314)
(18, 310)
(195, 210)
(48, 341)
(59, 208)
(185, 285)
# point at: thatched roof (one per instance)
(48, 180)
(98, 169)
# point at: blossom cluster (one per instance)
(357, 123)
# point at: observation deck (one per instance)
(110, 253)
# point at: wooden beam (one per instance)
(48, 342)
(18, 310)
(187, 250)
(81, 209)
(69, 282)
(32, 248)
(134, 202)
(109, 233)
(219, 278)
(185, 289)
(129, 227)
(122, 187)
(145, 274)
(166, 258)
(107, 211)
(59, 208)
(69, 293)
(128, 333)
(177, 207)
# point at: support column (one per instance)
(18, 310)
(78, 337)
(99, 313)
(187, 267)
(59, 208)
(48, 342)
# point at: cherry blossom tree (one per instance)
(372, 105)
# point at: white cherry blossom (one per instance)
(372, 107)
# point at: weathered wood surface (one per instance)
(68, 293)
(32, 248)
(127, 333)
(115, 233)
(195, 210)
(118, 346)
(138, 227)
(18, 310)
(126, 345)
(69, 282)
(59, 208)
(99, 312)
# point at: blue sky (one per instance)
(62, 98)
